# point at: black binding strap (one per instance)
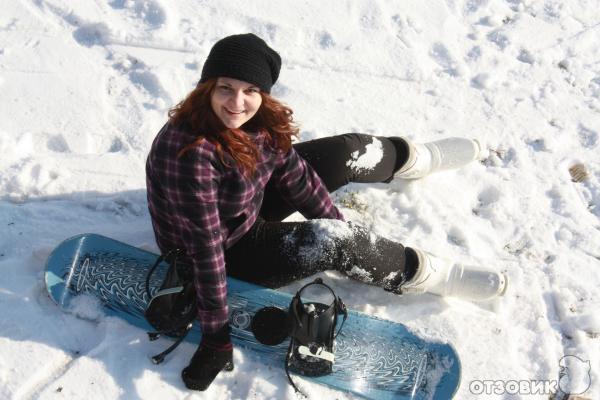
(181, 330)
(287, 369)
(338, 304)
(171, 256)
(297, 306)
(157, 359)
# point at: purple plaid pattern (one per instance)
(202, 207)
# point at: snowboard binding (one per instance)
(172, 309)
(311, 328)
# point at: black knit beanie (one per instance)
(245, 57)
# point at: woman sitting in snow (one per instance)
(222, 174)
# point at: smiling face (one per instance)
(235, 102)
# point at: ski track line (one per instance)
(68, 17)
(31, 390)
(151, 46)
(53, 372)
(583, 31)
(567, 40)
(65, 20)
(352, 72)
(54, 369)
(37, 10)
(25, 71)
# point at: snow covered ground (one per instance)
(85, 86)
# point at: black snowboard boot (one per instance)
(214, 355)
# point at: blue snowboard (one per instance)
(374, 358)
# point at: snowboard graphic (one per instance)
(374, 358)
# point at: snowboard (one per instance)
(374, 358)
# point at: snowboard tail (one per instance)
(374, 358)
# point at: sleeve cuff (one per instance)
(213, 320)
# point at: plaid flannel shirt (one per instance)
(199, 205)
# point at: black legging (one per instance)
(275, 253)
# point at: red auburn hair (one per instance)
(195, 113)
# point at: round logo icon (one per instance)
(240, 319)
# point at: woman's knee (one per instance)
(353, 142)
